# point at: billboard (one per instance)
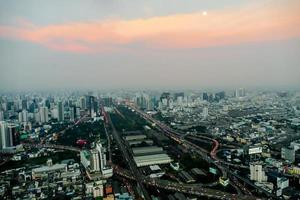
(255, 150)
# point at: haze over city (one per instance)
(142, 44)
(150, 100)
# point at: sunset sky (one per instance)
(101, 44)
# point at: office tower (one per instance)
(1, 115)
(13, 134)
(165, 95)
(3, 130)
(72, 113)
(107, 101)
(240, 92)
(20, 117)
(95, 163)
(60, 109)
(179, 94)
(205, 112)
(82, 103)
(257, 173)
(25, 115)
(6, 136)
(24, 104)
(37, 117)
(44, 114)
(102, 155)
(205, 96)
(91, 105)
(288, 154)
(219, 96)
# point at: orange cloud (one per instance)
(252, 23)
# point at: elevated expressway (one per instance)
(208, 156)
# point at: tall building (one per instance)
(241, 92)
(72, 113)
(6, 135)
(205, 112)
(20, 117)
(44, 114)
(25, 115)
(3, 134)
(205, 96)
(257, 173)
(82, 103)
(1, 115)
(102, 155)
(13, 134)
(60, 109)
(95, 161)
(288, 154)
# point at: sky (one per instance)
(139, 44)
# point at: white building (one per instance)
(257, 173)
(152, 159)
(205, 112)
(95, 161)
(44, 114)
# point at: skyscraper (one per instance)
(205, 112)
(102, 155)
(3, 130)
(95, 162)
(13, 134)
(6, 135)
(44, 114)
(25, 115)
(72, 113)
(60, 111)
(1, 115)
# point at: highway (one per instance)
(52, 146)
(178, 137)
(131, 164)
(194, 189)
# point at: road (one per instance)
(131, 164)
(191, 146)
(194, 189)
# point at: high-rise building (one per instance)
(44, 114)
(288, 154)
(24, 104)
(72, 113)
(95, 161)
(240, 92)
(6, 135)
(1, 115)
(13, 134)
(82, 103)
(3, 134)
(25, 115)
(205, 112)
(20, 117)
(205, 96)
(102, 155)
(60, 109)
(257, 173)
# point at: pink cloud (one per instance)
(252, 23)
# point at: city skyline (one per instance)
(142, 45)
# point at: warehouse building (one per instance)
(186, 177)
(152, 159)
(139, 151)
(138, 142)
(134, 137)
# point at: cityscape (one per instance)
(149, 100)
